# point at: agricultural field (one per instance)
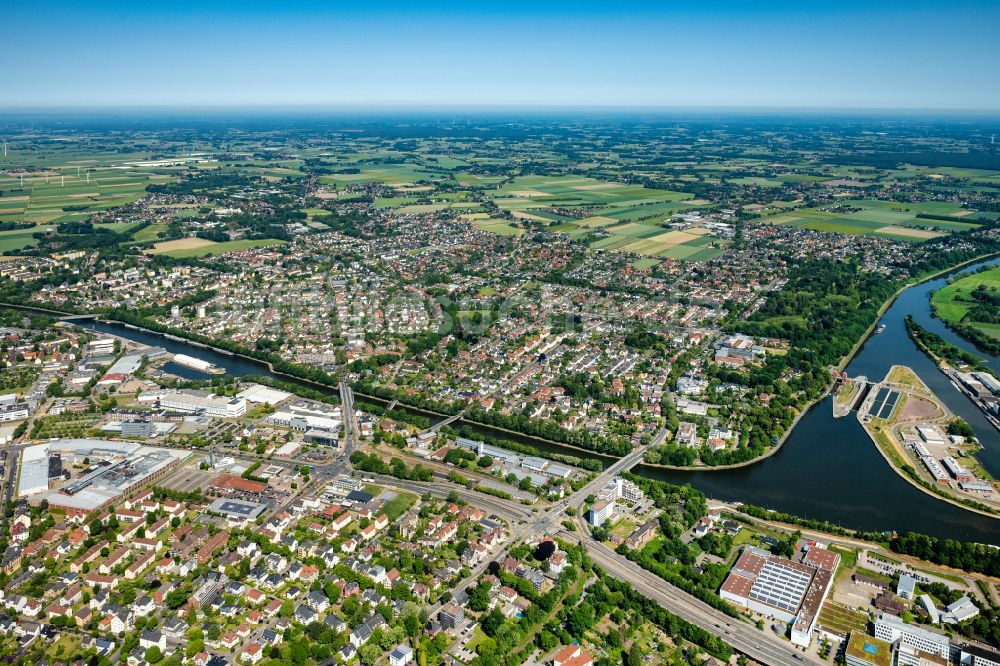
(15, 239)
(200, 247)
(613, 216)
(898, 221)
(954, 302)
(60, 196)
(691, 242)
(388, 174)
(500, 227)
(148, 233)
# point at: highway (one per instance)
(762, 646)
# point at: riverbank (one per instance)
(844, 362)
(948, 358)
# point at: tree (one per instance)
(491, 622)
(154, 655)
(369, 654)
(412, 625)
(487, 647)
(634, 655)
(479, 600)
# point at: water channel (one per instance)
(828, 469)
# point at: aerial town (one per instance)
(351, 397)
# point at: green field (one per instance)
(643, 264)
(148, 234)
(500, 227)
(19, 238)
(889, 219)
(953, 302)
(51, 196)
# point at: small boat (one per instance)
(881, 327)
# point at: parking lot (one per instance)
(187, 479)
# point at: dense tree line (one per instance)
(934, 344)
(971, 557)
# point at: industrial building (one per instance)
(116, 469)
(204, 402)
(263, 395)
(34, 470)
(792, 592)
(303, 422)
(237, 511)
(538, 470)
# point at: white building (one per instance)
(628, 491)
(203, 401)
(401, 655)
(892, 629)
(34, 471)
(600, 513)
(14, 412)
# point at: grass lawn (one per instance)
(66, 647)
(848, 556)
(648, 262)
(149, 233)
(398, 505)
(499, 227)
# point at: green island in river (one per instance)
(971, 306)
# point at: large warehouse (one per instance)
(792, 592)
(115, 470)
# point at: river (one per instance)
(828, 469)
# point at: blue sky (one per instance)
(809, 53)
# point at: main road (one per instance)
(761, 646)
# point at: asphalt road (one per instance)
(760, 646)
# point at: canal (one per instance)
(828, 469)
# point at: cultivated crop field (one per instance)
(894, 220)
(64, 193)
(621, 217)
